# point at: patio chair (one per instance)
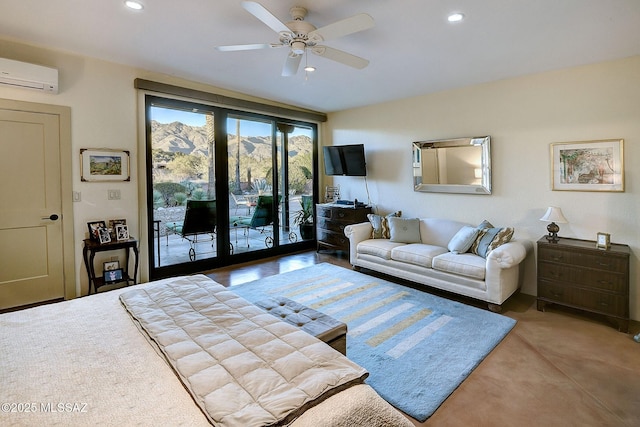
(263, 216)
(199, 218)
(241, 200)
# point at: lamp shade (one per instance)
(554, 214)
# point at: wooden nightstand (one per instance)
(574, 273)
(331, 221)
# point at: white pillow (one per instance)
(462, 241)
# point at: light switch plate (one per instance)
(114, 194)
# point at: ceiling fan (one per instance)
(300, 36)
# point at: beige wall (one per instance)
(523, 116)
(104, 114)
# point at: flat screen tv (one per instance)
(345, 160)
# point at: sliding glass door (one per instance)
(224, 186)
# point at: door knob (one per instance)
(52, 217)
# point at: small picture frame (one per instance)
(110, 265)
(122, 232)
(103, 235)
(94, 228)
(113, 276)
(603, 240)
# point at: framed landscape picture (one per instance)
(588, 165)
(104, 165)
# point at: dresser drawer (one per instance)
(333, 239)
(327, 224)
(602, 261)
(583, 277)
(616, 305)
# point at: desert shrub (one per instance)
(168, 189)
(198, 194)
(158, 200)
(180, 198)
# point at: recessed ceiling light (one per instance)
(455, 17)
(135, 5)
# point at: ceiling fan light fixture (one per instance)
(309, 68)
(455, 17)
(298, 47)
(135, 5)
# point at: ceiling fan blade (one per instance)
(260, 12)
(291, 65)
(342, 28)
(340, 56)
(237, 47)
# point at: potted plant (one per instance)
(304, 218)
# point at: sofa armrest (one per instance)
(357, 233)
(508, 255)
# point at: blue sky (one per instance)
(247, 128)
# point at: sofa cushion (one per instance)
(462, 241)
(490, 238)
(438, 231)
(468, 264)
(378, 247)
(380, 225)
(404, 230)
(417, 254)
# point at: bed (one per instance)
(86, 362)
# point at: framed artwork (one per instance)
(113, 276)
(110, 265)
(122, 232)
(588, 165)
(104, 165)
(94, 229)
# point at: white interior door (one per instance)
(31, 243)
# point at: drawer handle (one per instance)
(603, 304)
(557, 258)
(604, 264)
(555, 274)
(604, 282)
(557, 294)
(341, 215)
(341, 226)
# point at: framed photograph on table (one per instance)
(104, 165)
(122, 232)
(103, 235)
(588, 165)
(94, 229)
(113, 276)
(110, 265)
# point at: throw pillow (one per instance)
(380, 225)
(462, 241)
(491, 238)
(404, 230)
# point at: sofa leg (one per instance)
(496, 308)
(357, 268)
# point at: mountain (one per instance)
(179, 137)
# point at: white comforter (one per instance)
(243, 366)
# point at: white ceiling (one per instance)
(412, 49)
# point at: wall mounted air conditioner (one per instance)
(29, 76)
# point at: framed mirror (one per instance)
(459, 165)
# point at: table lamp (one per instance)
(553, 215)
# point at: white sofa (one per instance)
(430, 262)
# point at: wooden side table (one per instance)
(574, 273)
(91, 247)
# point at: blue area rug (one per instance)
(417, 347)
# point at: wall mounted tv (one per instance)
(345, 160)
